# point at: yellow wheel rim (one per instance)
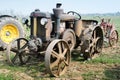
(8, 33)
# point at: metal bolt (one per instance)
(7, 33)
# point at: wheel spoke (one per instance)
(59, 69)
(18, 43)
(65, 63)
(65, 51)
(91, 44)
(60, 48)
(20, 58)
(94, 34)
(55, 63)
(24, 46)
(55, 54)
(63, 46)
(92, 51)
(14, 59)
(97, 39)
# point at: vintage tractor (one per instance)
(10, 29)
(56, 35)
(110, 32)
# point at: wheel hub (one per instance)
(8, 33)
(69, 42)
(62, 58)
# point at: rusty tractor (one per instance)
(56, 35)
(10, 29)
(109, 31)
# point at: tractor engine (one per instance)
(35, 44)
(41, 25)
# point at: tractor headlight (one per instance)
(43, 21)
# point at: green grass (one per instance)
(106, 59)
(90, 75)
(112, 74)
(12, 68)
(6, 77)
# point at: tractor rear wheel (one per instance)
(10, 29)
(70, 38)
(95, 44)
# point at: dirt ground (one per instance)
(78, 70)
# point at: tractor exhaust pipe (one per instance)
(57, 12)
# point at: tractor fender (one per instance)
(99, 31)
(2, 16)
(5, 16)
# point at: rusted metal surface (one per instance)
(15, 52)
(57, 34)
(91, 40)
(70, 38)
(110, 32)
(57, 57)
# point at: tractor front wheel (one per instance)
(57, 57)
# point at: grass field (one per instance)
(104, 67)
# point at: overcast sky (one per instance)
(81, 6)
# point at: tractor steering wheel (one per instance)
(75, 14)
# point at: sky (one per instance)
(80, 6)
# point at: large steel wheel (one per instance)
(113, 38)
(10, 29)
(95, 46)
(69, 37)
(57, 57)
(15, 52)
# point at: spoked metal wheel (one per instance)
(15, 52)
(69, 37)
(93, 46)
(57, 57)
(113, 38)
